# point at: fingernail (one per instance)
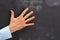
(10, 10)
(32, 11)
(27, 8)
(33, 16)
(32, 23)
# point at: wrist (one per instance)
(11, 28)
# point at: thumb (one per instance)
(12, 14)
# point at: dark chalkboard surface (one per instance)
(53, 2)
(47, 19)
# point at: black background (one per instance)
(47, 21)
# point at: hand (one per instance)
(20, 22)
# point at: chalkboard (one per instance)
(53, 2)
(47, 19)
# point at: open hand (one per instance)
(20, 22)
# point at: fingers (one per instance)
(23, 13)
(12, 14)
(30, 19)
(30, 24)
(29, 14)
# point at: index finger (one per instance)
(24, 12)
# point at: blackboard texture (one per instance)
(53, 2)
(47, 19)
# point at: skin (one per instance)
(20, 22)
